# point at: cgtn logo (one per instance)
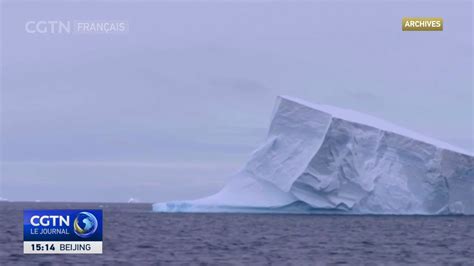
(85, 224)
(62, 231)
(36, 220)
(76, 26)
(48, 26)
(45, 221)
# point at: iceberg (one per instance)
(133, 200)
(324, 159)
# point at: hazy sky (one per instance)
(174, 106)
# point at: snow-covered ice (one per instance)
(323, 159)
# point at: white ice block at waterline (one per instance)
(323, 159)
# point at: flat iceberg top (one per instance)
(372, 121)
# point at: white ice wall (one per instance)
(324, 159)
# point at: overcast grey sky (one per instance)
(174, 106)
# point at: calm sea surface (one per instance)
(133, 235)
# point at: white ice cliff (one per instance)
(323, 159)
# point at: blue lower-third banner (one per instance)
(62, 231)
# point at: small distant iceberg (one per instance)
(324, 159)
(133, 200)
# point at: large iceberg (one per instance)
(323, 159)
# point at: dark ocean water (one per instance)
(133, 235)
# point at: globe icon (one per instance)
(85, 224)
